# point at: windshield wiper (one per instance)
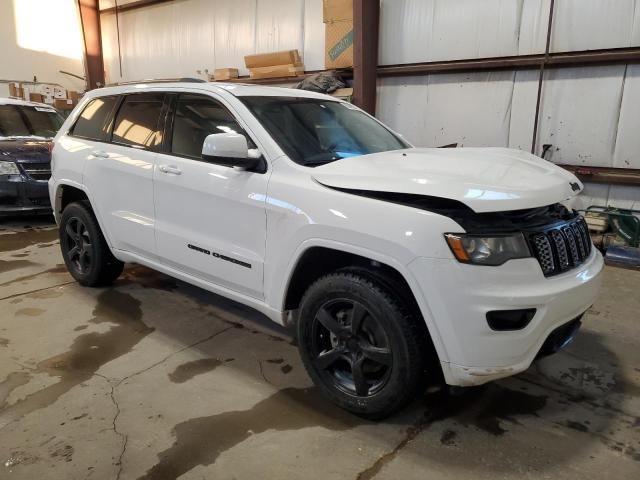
(324, 161)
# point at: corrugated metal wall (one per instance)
(179, 38)
(589, 114)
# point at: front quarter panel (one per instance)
(302, 214)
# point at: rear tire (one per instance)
(84, 249)
(360, 345)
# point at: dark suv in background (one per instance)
(26, 130)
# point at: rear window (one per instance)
(93, 121)
(138, 120)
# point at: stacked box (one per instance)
(36, 97)
(15, 90)
(338, 33)
(221, 74)
(63, 103)
(274, 64)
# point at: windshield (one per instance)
(28, 121)
(314, 131)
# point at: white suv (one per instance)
(398, 265)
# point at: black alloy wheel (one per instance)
(362, 347)
(79, 249)
(84, 249)
(351, 348)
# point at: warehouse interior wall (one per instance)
(39, 38)
(180, 38)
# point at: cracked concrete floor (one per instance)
(155, 379)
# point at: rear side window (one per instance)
(93, 121)
(137, 122)
(197, 116)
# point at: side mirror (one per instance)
(228, 149)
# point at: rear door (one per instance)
(210, 219)
(119, 172)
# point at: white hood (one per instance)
(485, 179)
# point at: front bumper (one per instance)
(457, 298)
(20, 195)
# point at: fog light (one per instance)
(506, 320)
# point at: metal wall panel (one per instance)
(533, 27)
(621, 196)
(167, 40)
(279, 25)
(234, 32)
(177, 39)
(471, 109)
(588, 114)
(523, 109)
(313, 35)
(579, 114)
(428, 30)
(627, 144)
(594, 24)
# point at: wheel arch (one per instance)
(67, 192)
(320, 258)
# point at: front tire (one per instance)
(360, 345)
(84, 249)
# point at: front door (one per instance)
(210, 219)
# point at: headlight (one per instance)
(487, 250)
(8, 168)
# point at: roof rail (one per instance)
(159, 80)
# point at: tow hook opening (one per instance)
(509, 320)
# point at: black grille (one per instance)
(563, 247)
(37, 171)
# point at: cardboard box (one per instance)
(343, 94)
(59, 92)
(15, 90)
(285, 57)
(63, 104)
(36, 97)
(276, 71)
(337, 10)
(338, 41)
(74, 96)
(44, 90)
(225, 74)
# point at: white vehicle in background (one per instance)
(398, 265)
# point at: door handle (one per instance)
(170, 169)
(100, 154)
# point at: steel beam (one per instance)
(608, 175)
(366, 24)
(610, 56)
(94, 63)
(133, 6)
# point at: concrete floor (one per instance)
(155, 379)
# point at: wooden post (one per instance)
(94, 62)
(366, 25)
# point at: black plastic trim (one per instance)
(510, 320)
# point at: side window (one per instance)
(197, 116)
(93, 121)
(137, 122)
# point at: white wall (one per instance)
(176, 39)
(39, 38)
